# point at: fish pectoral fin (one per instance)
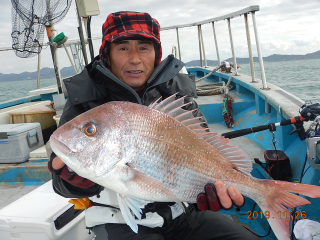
(154, 187)
(144, 184)
(129, 207)
(133, 178)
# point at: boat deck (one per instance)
(248, 145)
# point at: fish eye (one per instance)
(89, 129)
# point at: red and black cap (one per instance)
(129, 25)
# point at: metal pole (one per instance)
(174, 51)
(76, 57)
(52, 48)
(232, 48)
(178, 44)
(216, 42)
(263, 75)
(71, 61)
(249, 48)
(200, 51)
(80, 31)
(38, 72)
(204, 52)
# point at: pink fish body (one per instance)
(161, 153)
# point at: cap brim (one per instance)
(134, 35)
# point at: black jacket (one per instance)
(96, 85)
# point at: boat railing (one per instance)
(203, 60)
(249, 10)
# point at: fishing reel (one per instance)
(311, 112)
(308, 112)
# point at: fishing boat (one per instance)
(259, 117)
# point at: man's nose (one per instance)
(134, 56)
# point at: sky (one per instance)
(284, 27)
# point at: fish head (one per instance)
(91, 144)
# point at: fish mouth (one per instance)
(58, 146)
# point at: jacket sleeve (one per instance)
(61, 186)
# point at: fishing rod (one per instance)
(308, 112)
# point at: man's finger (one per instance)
(212, 197)
(236, 196)
(57, 163)
(202, 202)
(223, 196)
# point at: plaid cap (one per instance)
(129, 25)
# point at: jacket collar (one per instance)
(93, 88)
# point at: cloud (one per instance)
(284, 26)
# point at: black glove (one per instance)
(71, 177)
(209, 199)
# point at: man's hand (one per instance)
(216, 196)
(59, 168)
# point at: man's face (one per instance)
(132, 61)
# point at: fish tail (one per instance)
(275, 206)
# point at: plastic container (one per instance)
(35, 216)
(18, 140)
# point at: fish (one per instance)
(162, 153)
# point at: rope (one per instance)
(213, 71)
(214, 88)
(220, 88)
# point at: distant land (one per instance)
(272, 58)
(44, 74)
(68, 71)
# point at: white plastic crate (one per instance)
(32, 218)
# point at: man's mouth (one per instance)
(135, 72)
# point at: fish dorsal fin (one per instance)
(173, 107)
(239, 158)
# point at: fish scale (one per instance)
(161, 153)
(171, 130)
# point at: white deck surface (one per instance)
(13, 193)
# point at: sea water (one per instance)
(300, 77)
(18, 89)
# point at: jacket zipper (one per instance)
(110, 75)
(154, 77)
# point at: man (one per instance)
(129, 68)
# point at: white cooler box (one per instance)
(18, 140)
(42, 215)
